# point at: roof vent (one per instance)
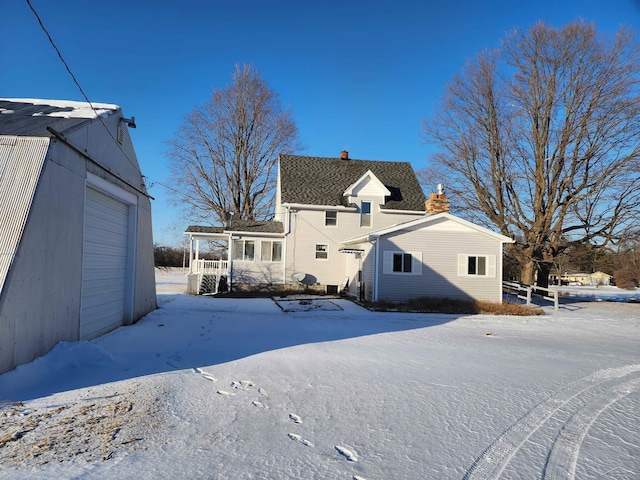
(344, 155)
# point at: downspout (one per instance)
(375, 269)
(287, 230)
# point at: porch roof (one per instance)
(239, 226)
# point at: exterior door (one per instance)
(104, 269)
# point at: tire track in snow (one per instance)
(492, 462)
(563, 458)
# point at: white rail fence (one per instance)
(526, 292)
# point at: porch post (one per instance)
(229, 263)
(190, 254)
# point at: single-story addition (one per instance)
(76, 248)
(361, 227)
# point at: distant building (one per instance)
(578, 278)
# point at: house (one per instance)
(76, 249)
(358, 226)
(578, 278)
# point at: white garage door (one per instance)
(104, 271)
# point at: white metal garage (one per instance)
(106, 257)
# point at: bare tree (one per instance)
(540, 139)
(223, 158)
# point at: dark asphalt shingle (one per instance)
(322, 181)
(251, 226)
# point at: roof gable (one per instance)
(429, 221)
(370, 180)
(324, 181)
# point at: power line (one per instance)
(75, 80)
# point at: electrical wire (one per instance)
(75, 80)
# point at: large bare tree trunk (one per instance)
(541, 140)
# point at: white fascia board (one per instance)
(478, 228)
(369, 237)
(426, 220)
(403, 212)
(203, 235)
(303, 206)
(254, 234)
(379, 185)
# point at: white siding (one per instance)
(440, 246)
(308, 229)
(258, 271)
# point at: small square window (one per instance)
(244, 250)
(331, 218)
(322, 251)
(271, 251)
(402, 262)
(477, 266)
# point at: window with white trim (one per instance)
(401, 263)
(322, 251)
(476, 265)
(270, 251)
(331, 218)
(365, 214)
(244, 250)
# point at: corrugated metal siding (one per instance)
(440, 247)
(21, 162)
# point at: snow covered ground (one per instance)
(242, 389)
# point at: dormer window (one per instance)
(365, 214)
(331, 218)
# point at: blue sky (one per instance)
(357, 75)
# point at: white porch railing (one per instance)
(210, 267)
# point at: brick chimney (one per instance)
(437, 202)
(344, 155)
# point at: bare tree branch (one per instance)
(541, 139)
(223, 157)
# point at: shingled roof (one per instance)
(250, 226)
(31, 117)
(322, 181)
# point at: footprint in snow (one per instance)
(224, 393)
(260, 405)
(298, 438)
(346, 453)
(358, 477)
(206, 375)
(262, 392)
(295, 418)
(242, 385)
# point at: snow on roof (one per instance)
(72, 109)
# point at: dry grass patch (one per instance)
(447, 305)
